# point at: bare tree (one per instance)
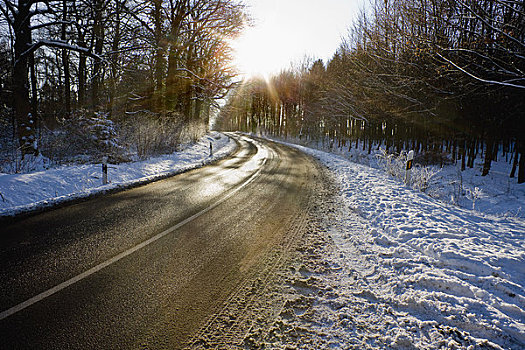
(20, 16)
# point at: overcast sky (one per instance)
(286, 31)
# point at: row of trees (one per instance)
(433, 75)
(167, 57)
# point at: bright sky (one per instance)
(286, 31)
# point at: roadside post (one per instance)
(104, 170)
(410, 160)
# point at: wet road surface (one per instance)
(147, 267)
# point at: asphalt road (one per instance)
(148, 267)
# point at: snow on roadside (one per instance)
(408, 271)
(24, 192)
(496, 193)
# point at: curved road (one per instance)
(151, 267)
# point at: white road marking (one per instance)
(17, 308)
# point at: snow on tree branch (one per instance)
(58, 44)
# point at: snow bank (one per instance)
(24, 192)
(443, 276)
(496, 193)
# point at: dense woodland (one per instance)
(445, 78)
(88, 69)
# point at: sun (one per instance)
(254, 54)
(265, 49)
(286, 33)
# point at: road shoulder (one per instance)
(282, 286)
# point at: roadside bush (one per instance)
(421, 176)
(192, 132)
(11, 161)
(392, 164)
(151, 135)
(84, 137)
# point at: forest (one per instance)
(444, 78)
(86, 78)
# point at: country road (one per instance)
(159, 266)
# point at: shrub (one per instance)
(396, 166)
(83, 137)
(150, 135)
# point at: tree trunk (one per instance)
(197, 110)
(462, 155)
(521, 170)
(488, 157)
(98, 32)
(171, 98)
(34, 94)
(115, 57)
(81, 74)
(471, 154)
(515, 161)
(81, 42)
(21, 103)
(454, 157)
(65, 63)
(206, 115)
(159, 57)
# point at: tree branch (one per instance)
(494, 82)
(43, 25)
(57, 44)
(490, 25)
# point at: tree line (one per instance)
(169, 58)
(446, 78)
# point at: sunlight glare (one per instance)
(286, 32)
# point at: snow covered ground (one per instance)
(23, 192)
(406, 271)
